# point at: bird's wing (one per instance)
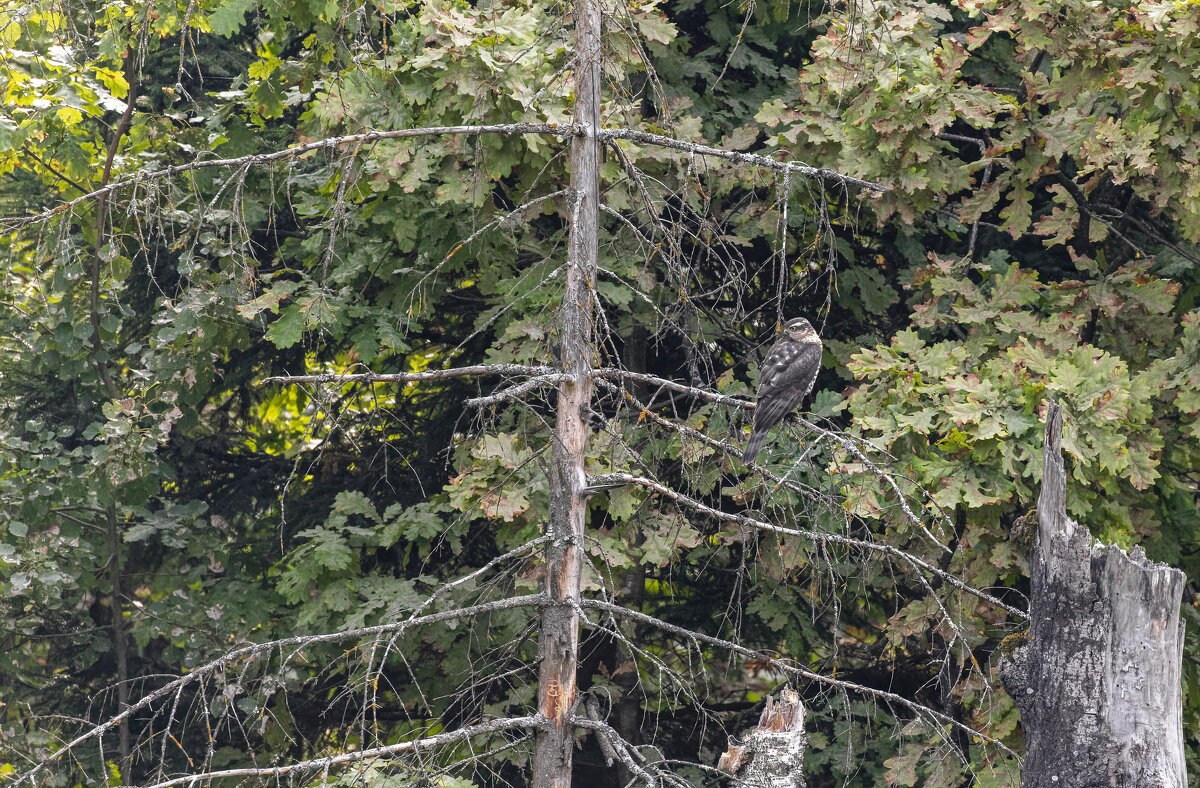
(789, 371)
(776, 362)
(785, 360)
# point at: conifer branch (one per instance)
(256, 649)
(415, 377)
(452, 737)
(788, 666)
(740, 157)
(616, 479)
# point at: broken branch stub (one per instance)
(772, 754)
(1097, 678)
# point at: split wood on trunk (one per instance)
(558, 640)
(1097, 676)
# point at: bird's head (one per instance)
(800, 330)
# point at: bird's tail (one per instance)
(756, 441)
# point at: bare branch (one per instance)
(255, 649)
(738, 156)
(492, 726)
(788, 666)
(651, 380)
(515, 391)
(442, 589)
(611, 479)
(10, 223)
(414, 377)
(849, 446)
(606, 746)
(612, 745)
(843, 440)
(726, 448)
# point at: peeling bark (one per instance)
(1097, 679)
(558, 643)
(772, 755)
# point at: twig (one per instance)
(726, 448)
(612, 745)
(849, 446)
(259, 648)
(413, 377)
(788, 667)
(492, 726)
(738, 156)
(25, 149)
(651, 380)
(442, 589)
(610, 479)
(559, 129)
(11, 223)
(841, 439)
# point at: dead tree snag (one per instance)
(1098, 678)
(558, 644)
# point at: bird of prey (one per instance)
(786, 378)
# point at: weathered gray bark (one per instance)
(558, 642)
(1097, 680)
(772, 754)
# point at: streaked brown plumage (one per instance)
(787, 376)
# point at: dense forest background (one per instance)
(196, 201)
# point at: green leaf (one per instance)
(69, 115)
(270, 300)
(353, 502)
(622, 503)
(139, 532)
(902, 769)
(230, 16)
(289, 328)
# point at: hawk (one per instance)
(786, 378)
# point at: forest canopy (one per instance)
(225, 223)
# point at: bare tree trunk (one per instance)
(1098, 679)
(558, 644)
(120, 638)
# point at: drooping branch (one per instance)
(841, 439)
(849, 445)
(256, 649)
(391, 750)
(612, 745)
(787, 666)
(478, 370)
(740, 157)
(671, 385)
(11, 223)
(612, 479)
